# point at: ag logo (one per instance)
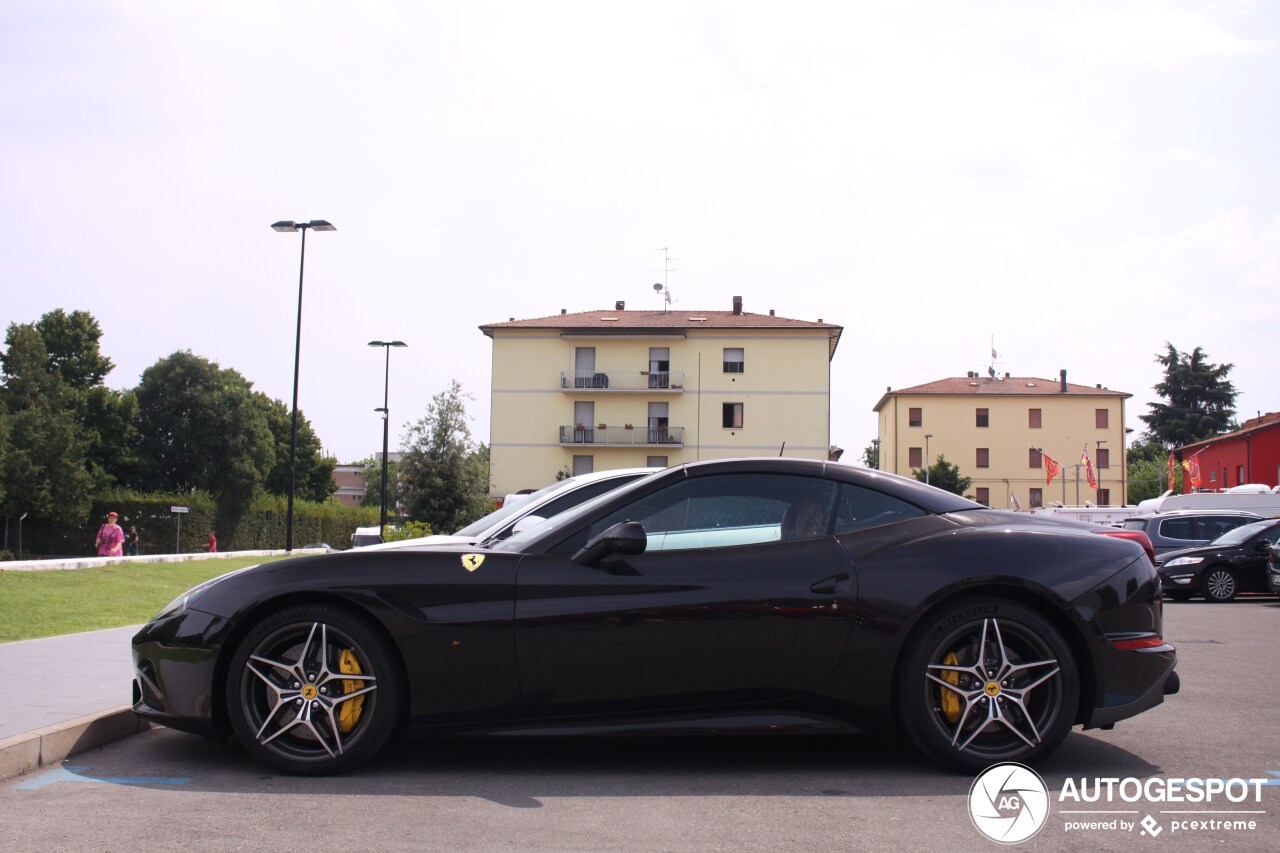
(1008, 803)
(471, 562)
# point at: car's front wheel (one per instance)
(986, 681)
(1219, 584)
(314, 689)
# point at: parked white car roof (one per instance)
(501, 521)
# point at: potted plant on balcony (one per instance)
(601, 426)
(628, 426)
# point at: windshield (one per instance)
(501, 514)
(1243, 533)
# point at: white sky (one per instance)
(1081, 180)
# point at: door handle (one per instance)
(827, 586)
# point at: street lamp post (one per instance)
(287, 225)
(386, 417)
(927, 436)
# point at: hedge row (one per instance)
(162, 531)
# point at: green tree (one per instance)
(314, 481)
(1201, 400)
(1147, 473)
(72, 347)
(43, 471)
(199, 427)
(446, 482)
(871, 455)
(944, 475)
(373, 485)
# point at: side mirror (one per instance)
(525, 523)
(626, 537)
(1263, 546)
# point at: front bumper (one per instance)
(175, 680)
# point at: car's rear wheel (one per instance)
(985, 681)
(1219, 584)
(314, 689)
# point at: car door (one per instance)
(1250, 563)
(734, 601)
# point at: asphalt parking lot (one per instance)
(163, 790)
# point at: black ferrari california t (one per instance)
(739, 595)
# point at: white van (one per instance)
(366, 536)
(1260, 499)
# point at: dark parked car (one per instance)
(1273, 570)
(1234, 562)
(734, 595)
(1188, 528)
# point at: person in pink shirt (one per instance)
(110, 539)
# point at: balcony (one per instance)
(633, 381)
(620, 436)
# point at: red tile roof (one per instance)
(1252, 425)
(1002, 386)
(606, 322)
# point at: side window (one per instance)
(859, 508)
(1212, 528)
(728, 510)
(1177, 528)
(735, 360)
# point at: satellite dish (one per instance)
(657, 288)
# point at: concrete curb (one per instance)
(90, 562)
(42, 747)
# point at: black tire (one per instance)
(283, 684)
(1035, 701)
(1219, 583)
(1177, 596)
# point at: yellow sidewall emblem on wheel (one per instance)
(471, 562)
(993, 688)
(309, 692)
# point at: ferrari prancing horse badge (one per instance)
(471, 562)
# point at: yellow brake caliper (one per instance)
(349, 713)
(951, 700)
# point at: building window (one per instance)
(1240, 475)
(1104, 497)
(1213, 476)
(656, 461)
(731, 415)
(1035, 459)
(734, 360)
(1104, 457)
(583, 465)
(1101, 418)
(1036, 496)
(659, 367)
(915, 457)
(915, 417)
(1033, 418)
(984, 418)
(983, 495)
(984, 457)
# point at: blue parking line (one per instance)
(77, 774)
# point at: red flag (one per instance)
(1051, 468)
(1088, 467)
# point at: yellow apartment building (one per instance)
(998, 430)
(597, 390)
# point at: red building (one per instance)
(1251, 454)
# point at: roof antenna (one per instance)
(661, 287)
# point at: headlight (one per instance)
(1185, 561)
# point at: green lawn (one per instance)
(45, 604)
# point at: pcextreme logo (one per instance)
(1008, 803)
